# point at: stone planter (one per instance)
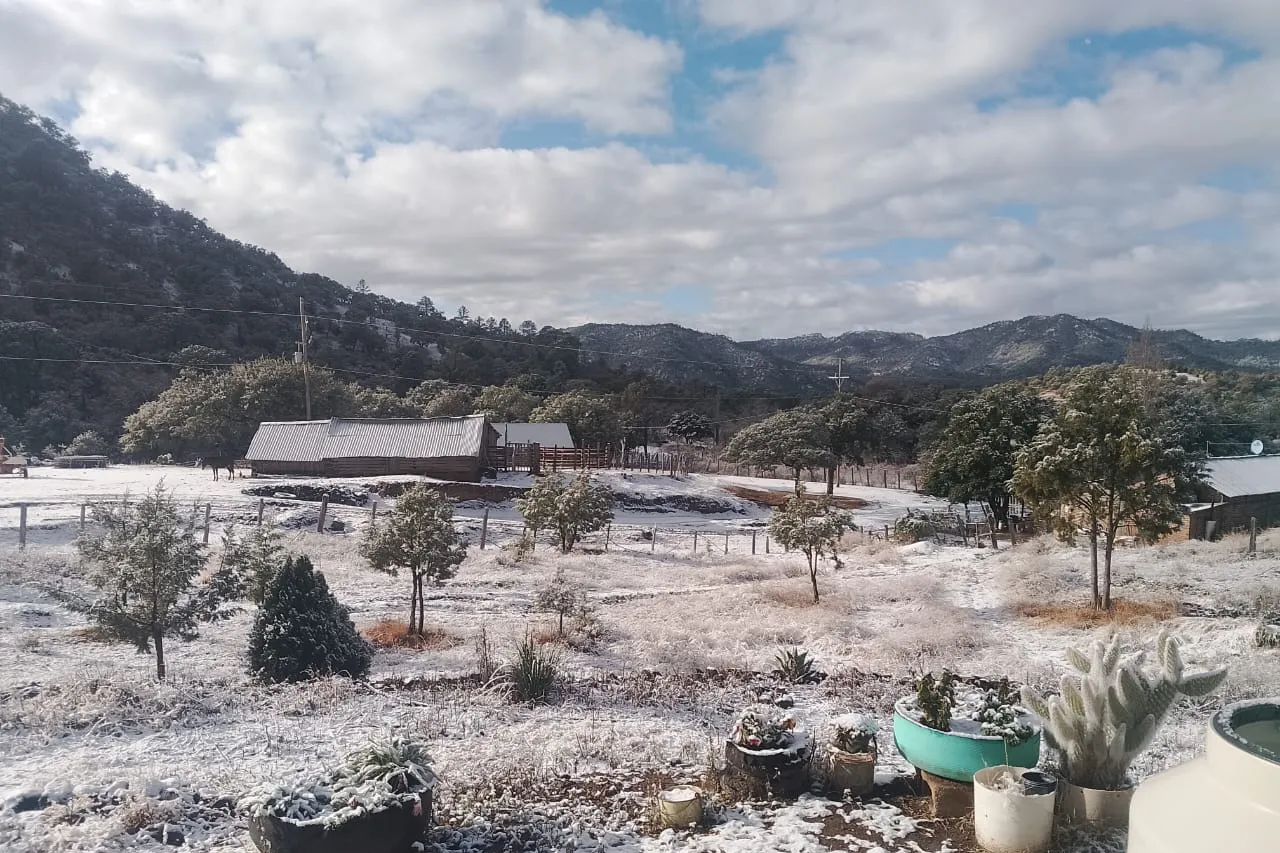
(1224, 800)
(854, 772)
(1094, 806)
(760, 773)
(957, 755)
(1007, 819)
(392, 830)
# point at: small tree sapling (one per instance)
(813, 528)
(572, 509)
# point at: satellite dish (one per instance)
(1256, 447)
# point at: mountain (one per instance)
(103, 288)
(991, 353)
(674, 353)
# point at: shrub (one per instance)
(854, 732)
(560, 597)
(533, 674)
(935, 697)
(763, 728)
(301, 631)
(249, 561)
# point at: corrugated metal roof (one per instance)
(1246, 475)
(345, 438)
(548, 435)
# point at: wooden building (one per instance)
(443, 448)
(1234, 491)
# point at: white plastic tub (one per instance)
(1228, 799)
(1007, 820)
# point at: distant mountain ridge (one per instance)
(998, 351)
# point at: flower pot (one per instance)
(771, 772)
(391, 830)
(854, 772)
(1094, 806)
(957, 755)
(1225, 799)
(680, 807)
(1007, 819)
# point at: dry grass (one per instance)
(92, 634)
(1122, 612)
(394, 634)
(774, 499)
(789, 594)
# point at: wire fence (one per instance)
(59, 521)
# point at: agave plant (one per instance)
(795, 666)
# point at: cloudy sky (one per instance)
(753, 167)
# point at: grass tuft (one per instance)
(1123, 612)
(394, 634)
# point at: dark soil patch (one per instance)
(774, 499)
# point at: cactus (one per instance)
(1106, 716)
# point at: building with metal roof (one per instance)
(546, 435)
(444, 448)
(1237, 492)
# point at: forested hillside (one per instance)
(83, 250)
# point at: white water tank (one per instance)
(1226, 800)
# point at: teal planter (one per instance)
(956, 755)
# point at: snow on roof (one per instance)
(1244, 475)
(547, 435)
(343, 438)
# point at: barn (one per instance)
(444, 448)
(1235, 490)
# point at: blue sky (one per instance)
(751, 167)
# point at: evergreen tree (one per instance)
(690, 426)
(1103, 462)
(592, 420)
(302, 631)
(813, 528)
(572, 509)
(797, 439)
(418, 536)
(146, 558)
(506, 403)
(973, 458)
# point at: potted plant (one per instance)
(1105, 716)
(377, 801)
(765, 747)
(851, 755)
(953, 729)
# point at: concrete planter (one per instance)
(392, 830)
(958, 755)
(1006, 819)
(1227, 799)
(854, 772)
(771, 772)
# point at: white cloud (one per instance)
(362, 141)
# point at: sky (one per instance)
(758, 168)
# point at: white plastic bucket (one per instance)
(1007, 820)
(1094, 806)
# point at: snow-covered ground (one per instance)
(80, 720)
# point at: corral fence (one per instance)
(537, 458)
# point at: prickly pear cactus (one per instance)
(1103, 718)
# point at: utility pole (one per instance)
(306, 372)
(715, 418)
(839, 376)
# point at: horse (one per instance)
(217, 463)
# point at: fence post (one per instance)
(695, 541)
(766, 544)
(484, 529)
(886, 533)
(373, 511)
(608, 529)
(899, 478)
(82, 508)
(1253, 536)
(653, 540)
(22, 525)
(262, 504)
(208, 508)
(753, 543)
(884, 475)
(324, 509)
(726, 543)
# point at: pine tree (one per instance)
(1104, 461)
(302, 631)
(418, 536)
(572, 509)
(146, 559)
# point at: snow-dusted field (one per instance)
(684, 631)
